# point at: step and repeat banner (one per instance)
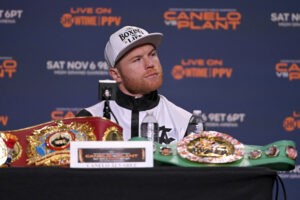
(238, 62)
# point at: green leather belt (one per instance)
(281, 162)
(211, 148)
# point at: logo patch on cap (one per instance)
(131, 35)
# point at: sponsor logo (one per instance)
(62, 113)
(3, 120)
(83, 68)
(10, 16)
(8, 66)
(292, 174)
(89, 16)
(203, 18)
(201, 68)
(285, 19)
(292, 123)
(231, 120)
(289, 69)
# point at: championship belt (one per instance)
(48, 144)
(211, 148)
(7, 144)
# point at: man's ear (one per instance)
(115, 74)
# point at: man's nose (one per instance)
(148, 63)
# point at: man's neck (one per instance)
(145, 102)
(124, 91)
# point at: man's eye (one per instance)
(153, 54)
(136, 60)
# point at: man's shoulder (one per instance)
(93, 110)
(95, 106)
(83, 113)
(165, 102)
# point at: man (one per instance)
(135, 66)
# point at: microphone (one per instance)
(107, 91)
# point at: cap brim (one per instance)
(152, 38)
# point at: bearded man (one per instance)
(131, 54)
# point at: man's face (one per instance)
(139, 72)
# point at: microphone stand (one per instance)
(106, 109)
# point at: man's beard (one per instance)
(143, 86)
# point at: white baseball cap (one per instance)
(126, 39)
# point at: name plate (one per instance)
(114, 154)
